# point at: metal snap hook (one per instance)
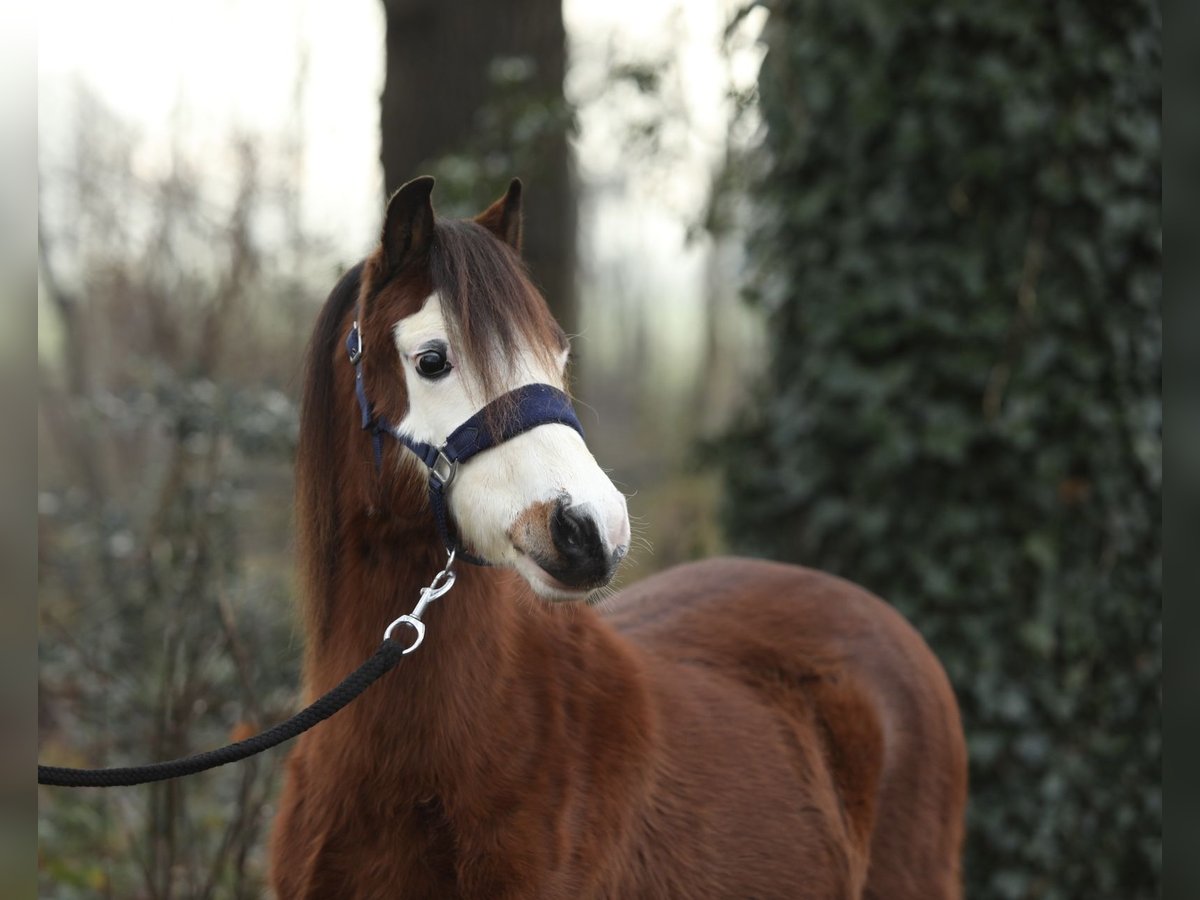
(417, 625)
(442, 582)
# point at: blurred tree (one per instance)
(959, 258)
(473, 94)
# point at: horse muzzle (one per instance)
(568, 547)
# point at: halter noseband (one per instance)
(532, 405)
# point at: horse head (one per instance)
(457, 333)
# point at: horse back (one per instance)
(866, 708)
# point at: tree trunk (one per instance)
(437, 88)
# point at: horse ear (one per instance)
(503, 218)
(408, 223)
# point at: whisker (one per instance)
(595, 412)
(643, 543)
(603, 596)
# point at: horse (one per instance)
(729, 728)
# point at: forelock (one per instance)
(492, 309)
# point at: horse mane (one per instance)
(317, 452)
(493, 311)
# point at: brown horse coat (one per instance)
(726, 729)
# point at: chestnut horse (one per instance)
(725, 729)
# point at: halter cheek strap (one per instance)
(514, 413)
(377, 425)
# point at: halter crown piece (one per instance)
(532, 405)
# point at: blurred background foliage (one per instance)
(945, 386)
(166, 432)
(959, 258)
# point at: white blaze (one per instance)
(492, 489)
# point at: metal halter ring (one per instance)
(356, 352)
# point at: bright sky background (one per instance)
(196, 72)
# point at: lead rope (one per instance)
(383, 661)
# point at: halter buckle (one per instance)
(354, 346)
(443, 469)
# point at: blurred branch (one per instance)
(243, 259)
(67, 306)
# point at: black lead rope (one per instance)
(384, 660)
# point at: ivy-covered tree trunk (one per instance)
(960, 262)
(473, 94)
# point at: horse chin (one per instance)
(546, 585)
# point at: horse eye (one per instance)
(433, 364)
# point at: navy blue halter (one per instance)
(531, 405)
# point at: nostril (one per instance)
(565, 528)
(582, 557)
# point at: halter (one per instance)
(532, 405)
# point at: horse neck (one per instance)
(424, 716)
